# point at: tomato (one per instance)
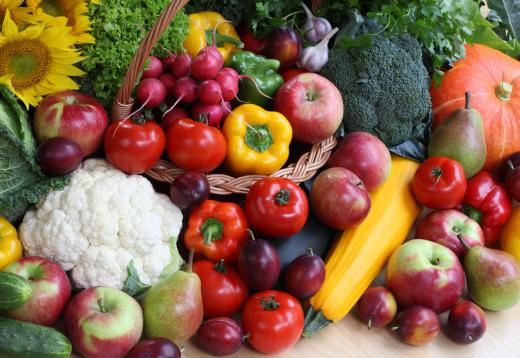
(290, 73)
(223, 289)
(274, 319)
(195, 146)
(439, 183)
(277, 207)
(133, 146)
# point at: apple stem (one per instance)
(369, 325)
(466, 247)
(394, 328)
(246, 336)
(102, 307)
(467, 96)
(510, 165)
(251, 234)
(310, 251)
(189, 268)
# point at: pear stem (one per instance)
(189, 268)
(466, 247)
(467, 95)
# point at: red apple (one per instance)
(417, 325)
(445, 226)
(512, 183)
(466, 322)
(313, 105)
(72, 115)
(424, 273)
(366, 155)
(103, 322)
(510, 163)
(339, 198)
(377, 307)
(50, 291)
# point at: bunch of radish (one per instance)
(201, 84)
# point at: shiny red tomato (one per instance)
(290, 73)
(195, 146)
(224, 291)
(134, 147)
(274, 319)
(277, 207)
(439, 183)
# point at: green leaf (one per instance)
(133, 284)
(509, 12)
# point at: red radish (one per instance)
(181, 66)
(228, 83)
(168, 61)
(207, 64)
(185, 90)
(172, 116)
(226, 108)
(151, 92)
(213, 113)
(168, 82)
(231, 72)
(154, 68)
(209, 92)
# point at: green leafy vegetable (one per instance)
(133, 285)
(21, 181)
(119, 26)
(505, 14)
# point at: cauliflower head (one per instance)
(103, 220)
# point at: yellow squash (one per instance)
(360, 253)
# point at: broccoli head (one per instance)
(384, 87)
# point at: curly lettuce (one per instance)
(119, 26)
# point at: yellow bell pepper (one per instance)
(10, 246)
(258, 140)
(200, 22)
(510, 236)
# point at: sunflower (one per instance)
(13, 6)
(37, 61)
(73, 12)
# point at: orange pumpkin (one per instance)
(493, 79)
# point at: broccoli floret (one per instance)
(384, 87)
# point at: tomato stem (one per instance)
(282, 197)
(221, 267)
(269, 303)
(437, 173)
(212, 230)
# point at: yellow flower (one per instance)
(13, 6)
(71, 12)
(37, 61)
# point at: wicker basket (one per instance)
(304, 169)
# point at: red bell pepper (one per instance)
(217, 230)
(250, 41)
(487, 202)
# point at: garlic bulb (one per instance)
(315, 57)
(316, 28)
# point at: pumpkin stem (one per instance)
(467, 95)
(504, 90)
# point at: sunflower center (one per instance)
(27, 60)
(53, 7)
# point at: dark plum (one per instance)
(377, 307)
(417, 325)
(511, 162)
(189, 190)
(59, 156)
(285, 45)
(466, 322)
(304, 276)
(219, 336)
(155, 348)
(259, 264)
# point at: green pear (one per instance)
(173, 308)
(461, 137)
(493, 278)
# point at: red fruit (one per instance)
(466, 322)
(154, 348)
(304, 276)
(377, 307)
(219, 336)
(417, 325)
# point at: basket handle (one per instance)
(122, 106)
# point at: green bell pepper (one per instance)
(262, 70)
